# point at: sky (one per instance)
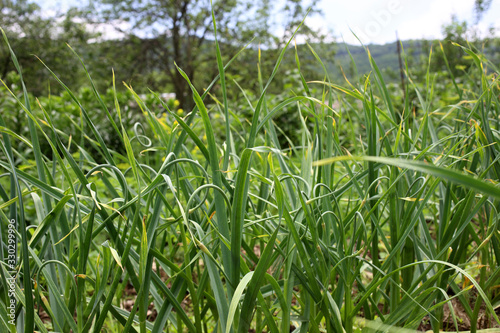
(376, 21)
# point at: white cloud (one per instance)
(377, 21)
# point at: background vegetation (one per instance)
(288, 198)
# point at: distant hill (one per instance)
(385, 56)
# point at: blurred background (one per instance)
(141, 41)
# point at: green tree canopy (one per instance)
(33, 32)
(178, 31)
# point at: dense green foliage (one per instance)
(142, 40)
(380, 211)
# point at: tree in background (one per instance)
(462, 33)
(481, 7)
(32, 32)
(164, 32)
(454, 32)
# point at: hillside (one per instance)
(386, 57)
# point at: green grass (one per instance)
(385, 211)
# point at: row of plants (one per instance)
(378, 214)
